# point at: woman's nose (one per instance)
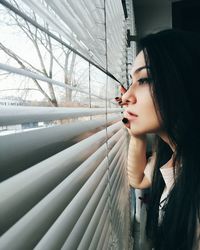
(128, 98)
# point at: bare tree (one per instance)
(44, 46)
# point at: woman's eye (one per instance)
(145, 80)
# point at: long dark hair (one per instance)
(174, 60)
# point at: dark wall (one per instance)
(152, 16)
(186, 15)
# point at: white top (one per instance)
(167, 173)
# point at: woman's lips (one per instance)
(130, 115)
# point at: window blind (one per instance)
(64, 186)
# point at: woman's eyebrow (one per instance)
(140, 68)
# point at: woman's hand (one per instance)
(136, 153)
(119, 100)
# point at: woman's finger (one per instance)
(126, 122)
(118, 99)
(122, 90)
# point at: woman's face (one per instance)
(140, 109)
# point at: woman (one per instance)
(163, 99)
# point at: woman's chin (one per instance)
(137, 132)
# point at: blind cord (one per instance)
(107, 146)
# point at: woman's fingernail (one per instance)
(125, 120)
(122, 89)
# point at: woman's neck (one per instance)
(165, 138)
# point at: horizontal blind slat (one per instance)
(118, 209)
(107, 244)
(106, 231)
(116, 171)
(97, 218)
(42, 216)
(38, 217)
(42, 78)
(56, 235)
(118, 177)
(115, 188)
(44, 143)
(84, 222)
(95, 239)
(74, 237)
(32, 192)
(59, 235)
(10, 115)
(62, 226)
(86, 239)
(105, 219)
